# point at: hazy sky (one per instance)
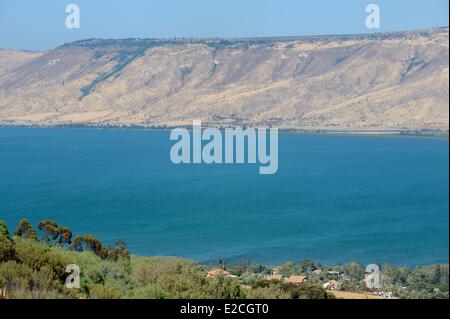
(38, 25)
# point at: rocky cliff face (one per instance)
(396, 80)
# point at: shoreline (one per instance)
(344, 132)
(231, 262)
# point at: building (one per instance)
(331, 285)
(297, 280)
(219, 272)
(274, 277)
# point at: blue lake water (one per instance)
(334, 198)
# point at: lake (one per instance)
(334, 198)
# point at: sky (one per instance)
(40, 25)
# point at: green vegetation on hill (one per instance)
(33, 265)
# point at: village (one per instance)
(329, 280)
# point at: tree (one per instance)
(4, 232)
(436, 276)
(119, 250)
(355, 270)
(306, 291)
(307, 265)
(77, 244)
(50, 231)
(25, 230)
(288, 269)
(64, 236)
(7, 250)
(88, 242)
(54, 234)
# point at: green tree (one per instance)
(307, 265)
(55, 235)
(25, 230)
(436, 277)
(288, 269)
(355, 270)
(7, 249)
(64, 236)
(90, 243)
(118, 251)
(306, 291)
(50, 231)
(4, 232)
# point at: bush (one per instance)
(37, 255)
(146, 270)
(183, 279)
(97, 291)
(306, 291)
(7, 251)
(151, 292)
(4, 232)
(271, 292)
(15, 277)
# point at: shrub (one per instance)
(37, 255)
(7, 251)
(146, 270)
(14, 277)
(271, 292)
(97, 291)
(288, 269)
(151, 292)
(306, 291)
(4, 232)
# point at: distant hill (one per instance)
(394, 80)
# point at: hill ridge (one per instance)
(395, 80)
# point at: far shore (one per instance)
(323, 131)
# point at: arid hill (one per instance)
(382, 81)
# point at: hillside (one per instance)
(383, 81)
